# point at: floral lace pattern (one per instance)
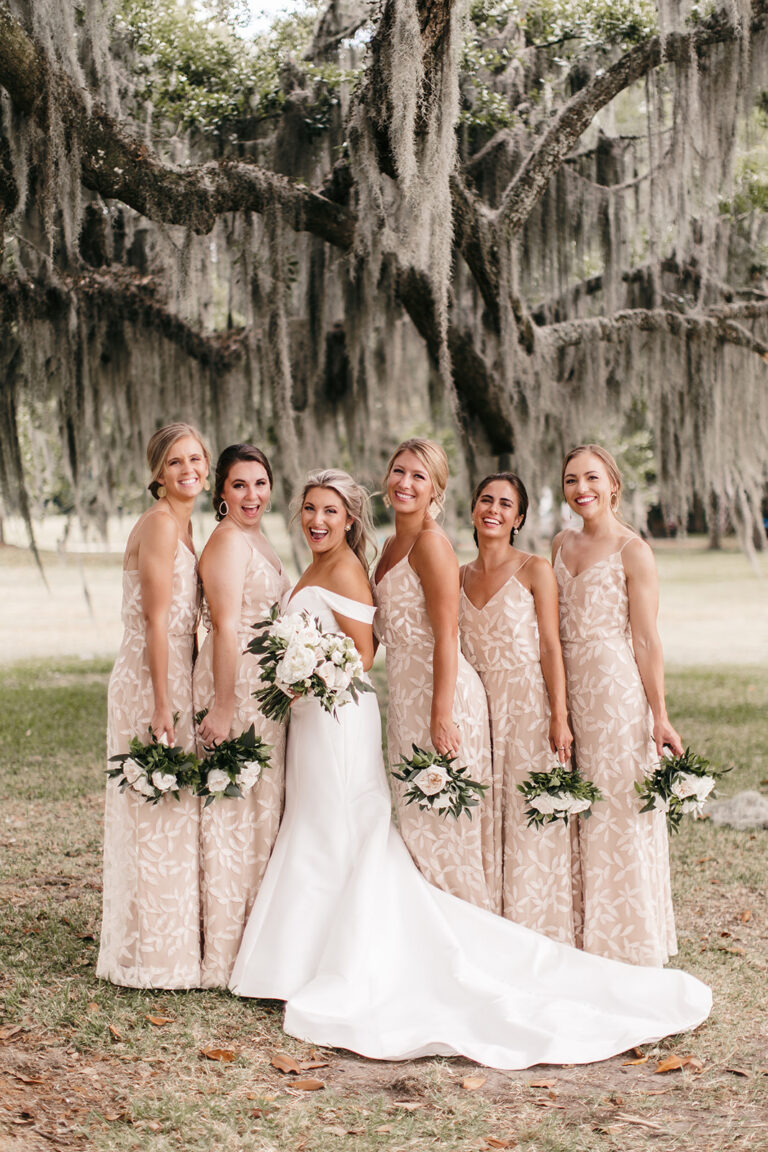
(150, 935)
(237, 835)
(459, 856)
(625, 887)
(501, 641)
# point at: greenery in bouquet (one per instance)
(680, 786)
(558, 794)
(155, 770)
(298, 658)
(232, 767)
(436, 785)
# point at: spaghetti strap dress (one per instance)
(150, 931)
(501, 642)
(624, 854)
(460, 856)
(237, 835)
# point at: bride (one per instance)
(366, 953)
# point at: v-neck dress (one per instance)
(237, 835)
(501, 642)
(460, 856)
(150, 931)
(625, 886)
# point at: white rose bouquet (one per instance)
(436, 785)
(679, 786)
(558, 794)
(154, 770)
(298, 658)
(232, 767)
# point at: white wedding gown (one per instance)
(370, 957)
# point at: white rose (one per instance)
(431, 780)
(576, 806)
(249, 775)
(543, 803)
(704, 786)
(286, 627)
(343, 698)
(297, 663)
(164, 781)
(132, 770)
(143, 786)
(684, 785)
(216, 780)
(332, 676)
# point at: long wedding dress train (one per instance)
(371, 957)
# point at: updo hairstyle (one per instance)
(159, 446)
(435, 463)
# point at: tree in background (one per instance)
(520, 223)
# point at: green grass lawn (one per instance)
(85, 1065)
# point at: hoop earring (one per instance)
(160, 491)
(223, 508)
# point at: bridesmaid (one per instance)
(436, 699)
(509, 633)
(608, 607)
(242, 579)
(150, 935)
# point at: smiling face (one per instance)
(497, 511)
(587, 486)
(185, 469)
(246, 491)
(409, 486)
(324, 520)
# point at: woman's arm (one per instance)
(351, 581)
(435, 563)
(643, 593)
(222, 570)
(157, 544)
(544, 590)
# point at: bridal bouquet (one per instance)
(558, 794)
(155, 770)
(435, 785)
(232, 767)
(299, 659)
(680, 785)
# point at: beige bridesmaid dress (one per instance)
(150, 933)
(237, 835)
(460, 856)
(501, 642)
(625, 886)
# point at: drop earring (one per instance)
(223, 508)
(160, 491)
(207, 485)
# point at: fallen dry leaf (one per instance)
(671, 1064)
(639, 1120)
(548, 1103)
(154, 1126)
(640, 1060)
(115, 1032)
(746, 916)
(733, 950)
(695, 1064)
(382, 1128)
(494, 1142)
(703, 859)
(284, 1063)
(93, 1007)
(158, 1021)
(307, 1085)
(223, 1055)
(408, 1105)
(542, 1083)
(10, 1030)
(27, 1079)
(305, 1065)
(472, 1083)
(738, 1071)
(113, 1115)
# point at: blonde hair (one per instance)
(356, 501)
(160, 444)
(611, 467)
(435, 462)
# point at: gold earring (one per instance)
(207, 485)
(160, 491)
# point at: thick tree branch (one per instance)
(578, 113)
(120, 166)
(571, 333)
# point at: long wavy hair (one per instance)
(611, 467)
(356, 501)
(232, 455)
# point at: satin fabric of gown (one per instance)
(150, 932)
(501, 642)
(371, 957)
(461, 857)
(237, 835)
(624, 853)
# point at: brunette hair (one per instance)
(435, 462)
(611, 467)
(160, 444)
(522, 497)
(230, 456)
(356, 501)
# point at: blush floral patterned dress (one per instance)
(150, 934)
(625, 886)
